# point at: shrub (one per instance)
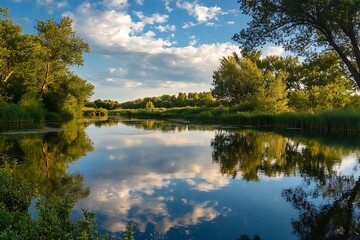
(53, 216)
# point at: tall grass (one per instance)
(14, 113)
(329, 121)
(29, 109)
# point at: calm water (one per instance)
(179, 181)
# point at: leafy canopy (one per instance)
(305, 27)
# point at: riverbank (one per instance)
(329, 121)
(13, 113)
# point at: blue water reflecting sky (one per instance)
(169, 186)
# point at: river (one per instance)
(186, 181)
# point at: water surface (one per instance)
(181, 181)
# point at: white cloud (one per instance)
(167, 6)
(133, 194)
(52, 5)
(154, 18)
(139, 55)
(132, 84)
(189, 25)
(210, 24)
(166, 28)
(199, 12)
(115, 4)
(272, 50)
(193, 40)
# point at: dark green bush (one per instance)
(53, 221)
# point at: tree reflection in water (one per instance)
(328, 202)
(44, 159)
(337, 216)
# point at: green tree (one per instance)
(247, 80)
(18, 60)
(323, 85)
(304, 26)
(149, 105)
(61, 48)
(236, 80)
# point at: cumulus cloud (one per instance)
(199, 12)
(132, 47)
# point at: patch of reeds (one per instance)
(14, 113)
(329, 121)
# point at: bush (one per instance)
(53, 220)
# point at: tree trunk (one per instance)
(353, 71)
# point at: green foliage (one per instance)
(305, 26)
(94, 112)
(36, 67)
(331, 121)
(32, 103)
(15, 193)
(106, 104)
(129, 233)
(246, 81)
(53, 221)
(237, 80)
(276, 84)
(202, 99)
(149, 105)
(16, 113)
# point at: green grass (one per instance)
(329, 121)
(13, 113)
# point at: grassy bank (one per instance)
(90, 112)
(15, 114)
(329, 121)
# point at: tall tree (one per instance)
(250, 80)
(62, 48)
(237, 80)
(304, 26)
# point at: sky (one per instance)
(144, 48)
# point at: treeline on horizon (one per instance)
(195, 99)
(35, 80)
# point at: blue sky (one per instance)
(142, 48)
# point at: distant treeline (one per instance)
(201, 99)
